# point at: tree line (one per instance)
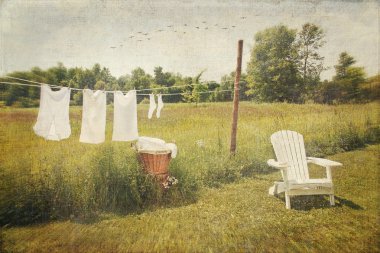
(285, 66)
(98, 77)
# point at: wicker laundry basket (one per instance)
(155, 162)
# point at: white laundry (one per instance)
(93, 117)
(155, 144)
(173, 148)
(53, 116)
(125, 117)
(149, 143)
(160, 105)
(152, 106)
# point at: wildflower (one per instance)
(170, 181)
(200, 143)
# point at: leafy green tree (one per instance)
(310, 63)
(96, 70)
(370, 89)
(192, 91)
(17, 93)
(57, 74)
(100, 85)
(345, 61)
(272, 70)
(346, 84)
(139, 80)
(348, 78)
(196, 96)
(164, 79)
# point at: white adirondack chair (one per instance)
(292, 161)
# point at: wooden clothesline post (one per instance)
(236, 99)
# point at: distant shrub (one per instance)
(349, 138)
(144, 101)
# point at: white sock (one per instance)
(160, 105)
(152, 106)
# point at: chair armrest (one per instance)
(323, 162)
(277, 165)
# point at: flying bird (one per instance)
(233, 26)
(159, 30)
(197, 27)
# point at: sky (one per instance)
(186, 36)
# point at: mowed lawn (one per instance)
(231, 210)
(239, 217)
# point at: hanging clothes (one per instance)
(125, 117)
(93, 117)
(160, 105)
(152, 106)
(53, 116)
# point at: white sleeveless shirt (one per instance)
(125, 117)
(93, 117)
(53, 116)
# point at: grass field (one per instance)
(101, 201)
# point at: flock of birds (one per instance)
(146, 36)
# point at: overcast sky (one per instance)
(81, 33)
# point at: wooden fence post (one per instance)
(236, 99)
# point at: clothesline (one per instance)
(107, 91)
(141, 94)
(184, 93)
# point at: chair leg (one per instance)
(332, 200)
(287, 201)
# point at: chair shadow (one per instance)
(309, 202)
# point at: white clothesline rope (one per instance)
(141, 94)
(186, 93)
(108, 91)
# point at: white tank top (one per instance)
(93, 117)
(125, 117)
(53, 116)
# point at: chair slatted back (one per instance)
(289, 147)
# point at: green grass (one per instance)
(79, 184)
(239, 217)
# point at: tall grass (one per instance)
(44, 180)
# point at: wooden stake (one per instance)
(236, 99)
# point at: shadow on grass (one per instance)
(251, 170)
(307, 203)
(346, 202)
